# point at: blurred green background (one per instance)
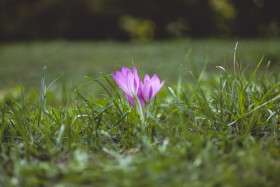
(168, 58)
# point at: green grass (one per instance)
(205, 128)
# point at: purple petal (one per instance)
(130, 84)
(154, 77)
(114, 76)
(135, 72)
(155, 83)
(146, 88)
(121, 81)
(159, 86)
(130, 100)
(151, 92)
(162, 83)
(136, 78)
(141, 99)
(120, 77)
(139, 91)
(145, 91)
(147, 78)
(135, 84)
(125, 70)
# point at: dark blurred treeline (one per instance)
(136, 20)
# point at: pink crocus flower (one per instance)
(149, 89)
(135, 89)
(129, 82)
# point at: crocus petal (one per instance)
(155, 76)
(135, 73)
(125, 70)
(129, 82)
(162, 83)
(151, 92)
(160, 86)
(139, 91)
(146, 90)
(120, 80)
(141, 99)
(130, 100)
(157, 83)
(135, 84)
(147, 78)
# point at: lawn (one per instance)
(215, 122)
(24, 61)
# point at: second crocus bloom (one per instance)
(149, 89)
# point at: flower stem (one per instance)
(139, 110)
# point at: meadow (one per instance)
(215, 122)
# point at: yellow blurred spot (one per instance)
(139, 29)
(224, 7)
